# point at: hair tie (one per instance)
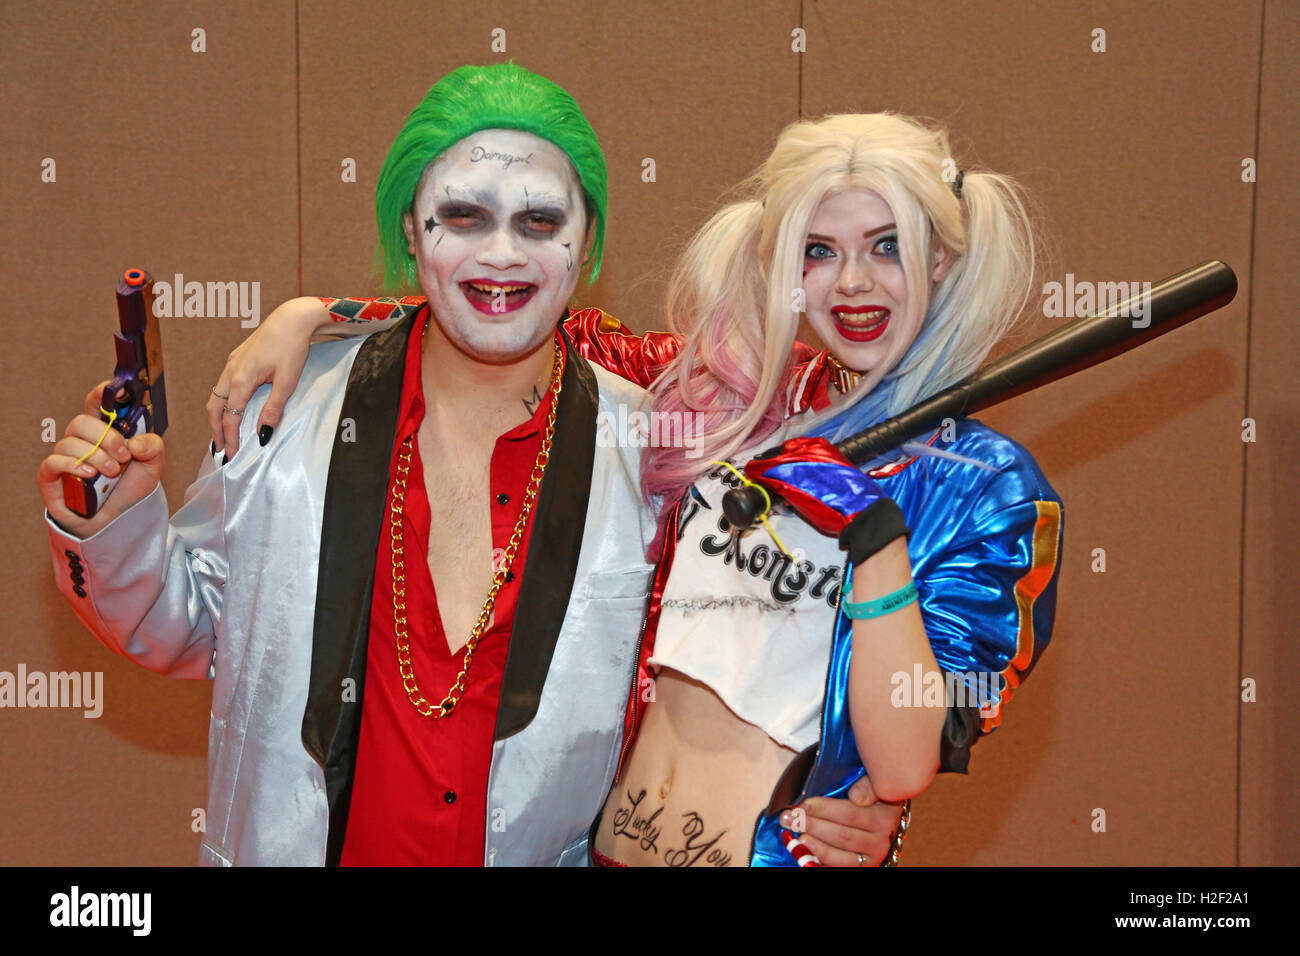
(956, 183)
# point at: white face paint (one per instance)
(498, 241)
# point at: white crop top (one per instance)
(748, 621)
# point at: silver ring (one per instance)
(234, 411)
(862, 860)
(218, 395)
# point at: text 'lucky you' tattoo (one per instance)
(632, 823)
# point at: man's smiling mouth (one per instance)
(496, 298)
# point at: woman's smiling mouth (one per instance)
(860, 323)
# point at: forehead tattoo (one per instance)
(477, 154)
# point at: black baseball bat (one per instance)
(1073, 347)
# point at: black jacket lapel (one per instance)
(558, 520)
(356, 493)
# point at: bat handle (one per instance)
(743, 506)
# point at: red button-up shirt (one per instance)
(419, 795)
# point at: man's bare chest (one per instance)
(460, 549)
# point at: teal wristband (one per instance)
(866, 610)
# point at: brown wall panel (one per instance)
(1270, 790)
(181, 162)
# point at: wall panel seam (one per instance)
(1245, 446)
(297, 108)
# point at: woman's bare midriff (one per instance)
(693, 785)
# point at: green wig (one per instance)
(465, 101)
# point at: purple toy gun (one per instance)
(135, 401)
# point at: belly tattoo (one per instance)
(691, 849)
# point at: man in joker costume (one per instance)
(358, 715)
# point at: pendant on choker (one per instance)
(845, 378)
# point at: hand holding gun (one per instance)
(122, 421)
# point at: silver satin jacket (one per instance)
(262, 580)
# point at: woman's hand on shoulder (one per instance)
(276, 352)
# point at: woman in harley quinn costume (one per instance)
(937, 566)
(952, 547)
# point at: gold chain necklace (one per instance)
(845, 378)
(404, 666)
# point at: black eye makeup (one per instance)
(541, 223)
(460, 216)
(887, 247)
(535, 223)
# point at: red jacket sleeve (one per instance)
(609, 343)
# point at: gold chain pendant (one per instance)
(404, 664)
(845, 378)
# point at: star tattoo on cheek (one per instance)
(429, 225)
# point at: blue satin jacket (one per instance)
(985, 550)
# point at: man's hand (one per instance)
(838, 830)
(276, 352)
(139, 462)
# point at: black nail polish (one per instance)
(264, 434)
(224, 459)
